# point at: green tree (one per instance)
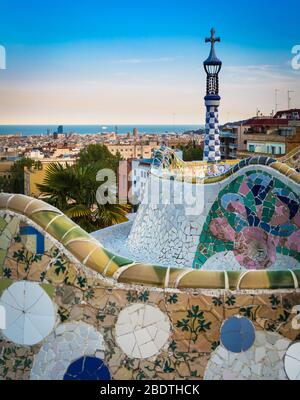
(73, 189)
(17, 174)
(5, 184)
(99, 156)
(192, 152)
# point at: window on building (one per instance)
(251, 147)
(273, 149)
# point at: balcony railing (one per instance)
(245, 153)
(226, 134)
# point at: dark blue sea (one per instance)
(28, 130)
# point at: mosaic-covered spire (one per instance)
(212, 66)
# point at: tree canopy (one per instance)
(17, 174)
(73, 189)
(191, 152)
(99, 155)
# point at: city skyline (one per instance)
(90, 63)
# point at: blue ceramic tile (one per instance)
(40, 240)
(76, 367)
(87, 368)
(237, 334)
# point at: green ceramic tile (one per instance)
(3, 224)
(121, 261)
(60, 226)
(76, 233)
(4, 284)
(49, 289)
(280, 279)
(2, 256)
(43, 218)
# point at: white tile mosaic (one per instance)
(30, 312)
(292, 361)
(260, 362)
(142, 330)
(225, 260)
(67, 343)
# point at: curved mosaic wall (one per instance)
(248, 220)
(255, 218)
(167, 160)
(93, 301)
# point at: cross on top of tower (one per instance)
(212, 38)
(212, 58)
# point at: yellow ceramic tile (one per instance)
(38, 205)
(111, 269)
(174, 275)
(18, 203)
(203, 279)
(4, 198)
(76, 233)
(98, 260)
(60, 226)
(81, 248)
(144, 274)
(43, 218)
(254, 280)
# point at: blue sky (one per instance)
(141, 61)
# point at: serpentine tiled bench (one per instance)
(86, 250)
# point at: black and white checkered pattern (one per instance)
(212, 137)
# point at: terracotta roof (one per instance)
(267, 121)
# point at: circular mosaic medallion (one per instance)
(264, 360)
(87, 368)
(30, 313)
(70, 341)
(292, 361)
(142, 330)
(237, 334)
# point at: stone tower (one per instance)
(212, 66)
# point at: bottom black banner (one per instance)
(136, 389)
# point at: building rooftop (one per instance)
(260, 121)
(292, 111)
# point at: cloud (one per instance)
(144, 60)
(261, 73)
(244, 68)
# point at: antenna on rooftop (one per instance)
(276, 100)
(289, 98)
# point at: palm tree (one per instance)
(73, 189)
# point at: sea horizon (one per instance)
(85, 129)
